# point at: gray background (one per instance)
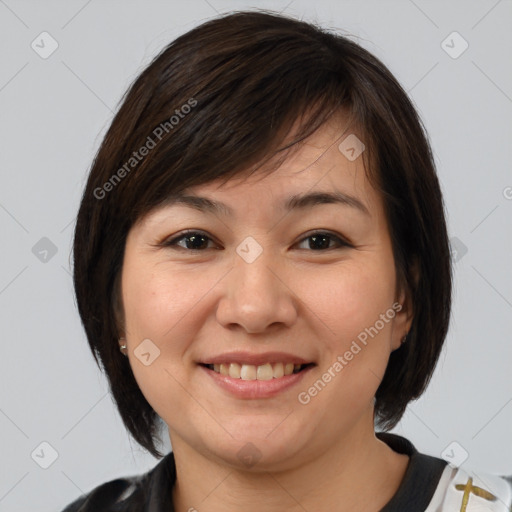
(54, 112)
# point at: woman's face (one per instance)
(264, 280)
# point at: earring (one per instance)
(123, 346)
(404, 339)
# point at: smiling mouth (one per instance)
(261, 372)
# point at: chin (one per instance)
(260, 445)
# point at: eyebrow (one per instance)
(295, 202)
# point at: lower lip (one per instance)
(253, 389)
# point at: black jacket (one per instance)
(152, 491)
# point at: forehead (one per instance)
(329, 161)
(327, 167)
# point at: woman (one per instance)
(261, 261)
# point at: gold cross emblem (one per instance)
(477, 491)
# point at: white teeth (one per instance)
(251, 372)
(265, 372)
(278, 370)
(248, 372)
(234, 370)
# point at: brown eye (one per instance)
(321, 241)
(197, 241)
(192, 240)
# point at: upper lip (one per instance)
(254, 359)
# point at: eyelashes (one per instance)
(196, 238)
(196, 241)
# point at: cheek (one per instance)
(356, 350)
(157, 301)
(350, 298)
(156, 308)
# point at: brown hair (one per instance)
(222, 98)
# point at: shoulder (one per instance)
(129, 493)
(431, 484)
(106, 495)
(472, 491)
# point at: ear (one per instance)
(404, 317)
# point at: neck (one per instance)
(359, 473)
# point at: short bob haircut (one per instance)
(221, 100)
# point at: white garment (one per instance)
(461, 491)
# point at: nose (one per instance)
(257, 296)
